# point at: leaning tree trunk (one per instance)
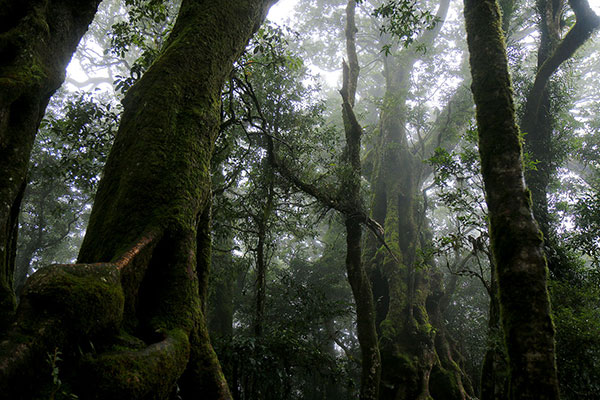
(37, 40)
(138, 293)
(516, 240)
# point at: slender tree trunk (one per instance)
(141, 275)
(261, 250)
(515, 238)
(220, 316)
(357, 275)
(37, 40)
(494, 371)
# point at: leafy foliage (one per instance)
(404, 20)
(148, 24)
(576, 310)
(66, 163)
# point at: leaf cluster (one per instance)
(148, 24)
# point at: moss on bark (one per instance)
(155, 188)
(516, 241)
(405, 284)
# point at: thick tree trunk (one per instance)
(150, 206)
(515, 238)
(538, 125)
(406, 288)
(37, 40)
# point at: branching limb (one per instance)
(586, 23)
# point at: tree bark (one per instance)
(405, 286)
(262, 222)
(37, 40)
(515, 237)
(143, 305)
(351, 182)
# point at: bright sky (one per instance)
(279, 13)
(283, 9)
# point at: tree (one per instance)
(351, 182)
(515, 238)
(538, 121)
(66, 162)
(37, 41)
(346, 199)
(138, 290)
(417, 359)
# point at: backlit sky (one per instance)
(283, 8)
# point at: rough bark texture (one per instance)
(37, 40)
(417, 362)
(515, 238)
(143, 307)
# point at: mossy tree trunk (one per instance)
(515, 238)
(347, 200)
(494, 371)
(138, 293)
(37, 40)
(417, 360)
(351, 182)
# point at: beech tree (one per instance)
(138, 290)
(517, 246)
(417, 358)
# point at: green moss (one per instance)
(87, 298)
(443, 384)
(148, 373)
(387, 329)
(426, 329)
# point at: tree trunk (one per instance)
(262, 222)
(351, 182)
(223, 280)
(139, 294)
(37, 40)
(406, 288)
(515, 238)
(494, 371)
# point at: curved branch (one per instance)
(586, 23)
